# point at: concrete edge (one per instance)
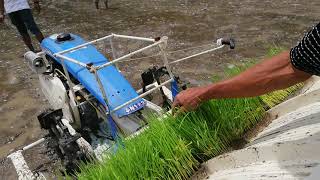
(308, 95)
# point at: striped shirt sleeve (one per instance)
(306, 55)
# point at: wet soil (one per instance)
(256, 25)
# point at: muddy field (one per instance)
(256, 25)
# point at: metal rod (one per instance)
(198, 54)
(147, 87)
(61, 73)
(105, 48)
(70, 84)
(104, 94)
(82, 45)
(134, 37)
(33, 144)
(128, 55)
(142, 95)
(113, 51)
(163, 47)
(70, 59)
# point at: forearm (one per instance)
(272, 74)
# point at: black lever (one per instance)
(228, 41)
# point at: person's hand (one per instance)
(1, 18)
(37, 6)
(189, 99)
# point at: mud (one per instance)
(256, 25)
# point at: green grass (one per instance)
(174, 147)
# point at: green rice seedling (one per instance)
(216, 123)
(215, 78)
(195, 129)
(274, 50)
(157, 153)
(274, 98)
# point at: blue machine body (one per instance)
(117, 88)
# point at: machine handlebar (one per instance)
(227, 41)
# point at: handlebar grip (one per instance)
(227, 41)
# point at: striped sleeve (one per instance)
(306, 55)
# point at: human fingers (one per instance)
(176, 103)
(179, 111)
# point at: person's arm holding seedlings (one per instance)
(278, 72)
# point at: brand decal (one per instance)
(135, 106)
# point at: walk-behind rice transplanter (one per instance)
(93, 105)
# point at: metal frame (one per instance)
(93, 69)
(161, 43)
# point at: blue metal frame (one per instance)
(118, 89)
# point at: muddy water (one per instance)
(254, 24)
